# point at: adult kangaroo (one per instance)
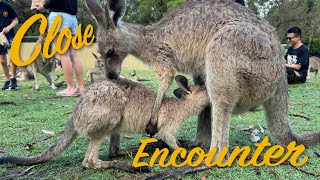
(224, 44)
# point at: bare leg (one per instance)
(4, 64)
(77, 66)
(13, 68)
(67, 70)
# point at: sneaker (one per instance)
(13, 84)
(6, 85)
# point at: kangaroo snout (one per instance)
(111, 75)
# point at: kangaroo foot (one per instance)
(102, 165)
(149, 148)
(124, 166)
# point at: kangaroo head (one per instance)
(188, 91)
(113, 41)
(99, 61)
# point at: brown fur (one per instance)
(115, 107)
(224, 44)
(314, 63)
(45, 67)
(97, 73)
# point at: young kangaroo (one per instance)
(314, 63)
(121, 106)
(97, 73)
(235, 53)
(45, 67)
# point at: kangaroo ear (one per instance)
(179, 93)
(183, 83)
(101, 15)
(118, 8)
(95, 56)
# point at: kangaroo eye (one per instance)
(110, 52)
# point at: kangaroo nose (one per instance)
(111, 76)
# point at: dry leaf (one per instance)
(261, 128)
(27, 95)
(75, 177)
(204, 177)
(254, 137)
(292, 122)
(273, 172)
(49, 132)
(127, 177)
(257, 170)
(128, 137)
(247, 128)
(29, 147)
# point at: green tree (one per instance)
(283, 14)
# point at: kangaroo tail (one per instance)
(61, 144)
(307, 139)
(276, 109)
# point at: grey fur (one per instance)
(97, 73)
(45, 67)
(236, 53)
(314, 63)
(115, 107)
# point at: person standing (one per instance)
(297, 57)
(70, 61)
(8, 20)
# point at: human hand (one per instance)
(39, 7)
(5, 30)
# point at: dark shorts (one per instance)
(3, 50)
(295, 77)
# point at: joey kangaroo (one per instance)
(235, 53)
(314, 63)
(97, 73)
(112, 107)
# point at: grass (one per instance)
(33, 111)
